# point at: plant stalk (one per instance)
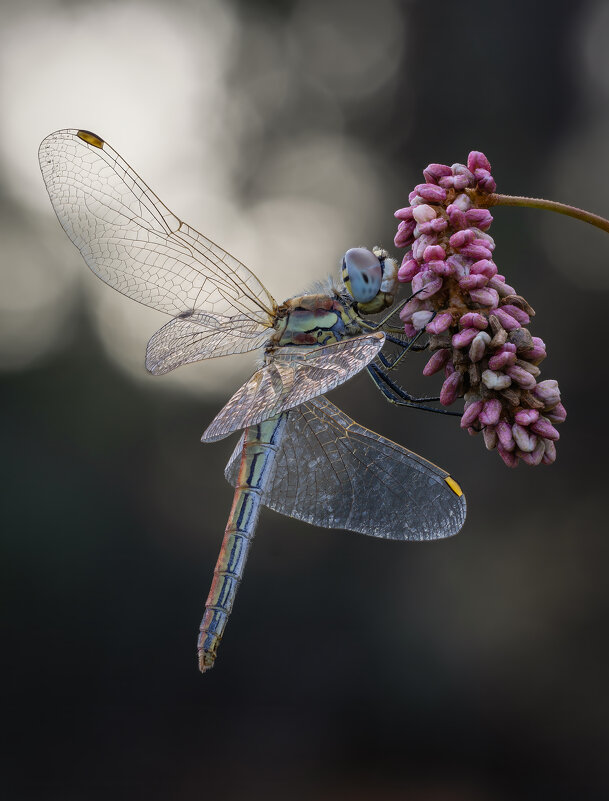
(541, 203)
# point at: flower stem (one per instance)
(550, 205)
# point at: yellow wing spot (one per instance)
(454, 486)
(91, 138)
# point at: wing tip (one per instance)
(155, 369)
(91, 138)
(454, 486)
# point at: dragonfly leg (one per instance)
(393, 310)
(407, 346)
(394, 393)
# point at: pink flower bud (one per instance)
(549, 456)
(437, 361)
(473, 319)
(474, 251)
(461, 238)
(525, 417)
(486, 182)
(506, 320)
(457, 217)
(491, 412)
(404, 214)
(461, 182)
(504, 432)
(484, 239)
(441, 322)
(545, 429)
(461, 169)
(518, 314)
(535, 354)
(409, 308)
(438, 225)
(484, 267)
(479, 218)
(473, 281)
(479, 345)
(433, 252)
(424, 213)
(548, 393)
(426, 283)
(490, 437)
(464, 337)
(459, 264)
(450, 389)
(497, 381)
(510, 459)
(447, 181)
(558, 414)
(478, 161)
(536, 455)
(485, 296)
(463, 202)
(471, 414)
(420, 244)
(421, 318)
(433, 172)
(431, 192)
(521, 377)
(525, 440)
(410, 330)
(408, 270)
(440, 267)
(404, 234)
(501, 287)
(501, 360)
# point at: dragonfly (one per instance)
(298, 454)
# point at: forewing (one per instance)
(133, 242)
(196, 336)
(334, 473)
(293, 376)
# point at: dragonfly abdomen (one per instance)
(256, 469)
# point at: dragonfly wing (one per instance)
(133, 242)
(334, 473)
(293, 376)
(196, 336)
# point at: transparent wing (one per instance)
(133, 242)
(334, 473)
(293, 376)
(195, 336)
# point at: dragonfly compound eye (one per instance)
(362, 274)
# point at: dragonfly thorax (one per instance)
(315, 320)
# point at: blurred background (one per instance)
(289, 131)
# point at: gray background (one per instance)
(352, 668)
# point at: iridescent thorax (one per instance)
(315, 320)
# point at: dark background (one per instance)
(474, 668)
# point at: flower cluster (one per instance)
(476, 321)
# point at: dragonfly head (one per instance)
(370, 278)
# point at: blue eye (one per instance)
(364, 274)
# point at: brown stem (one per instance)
(550, 205)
